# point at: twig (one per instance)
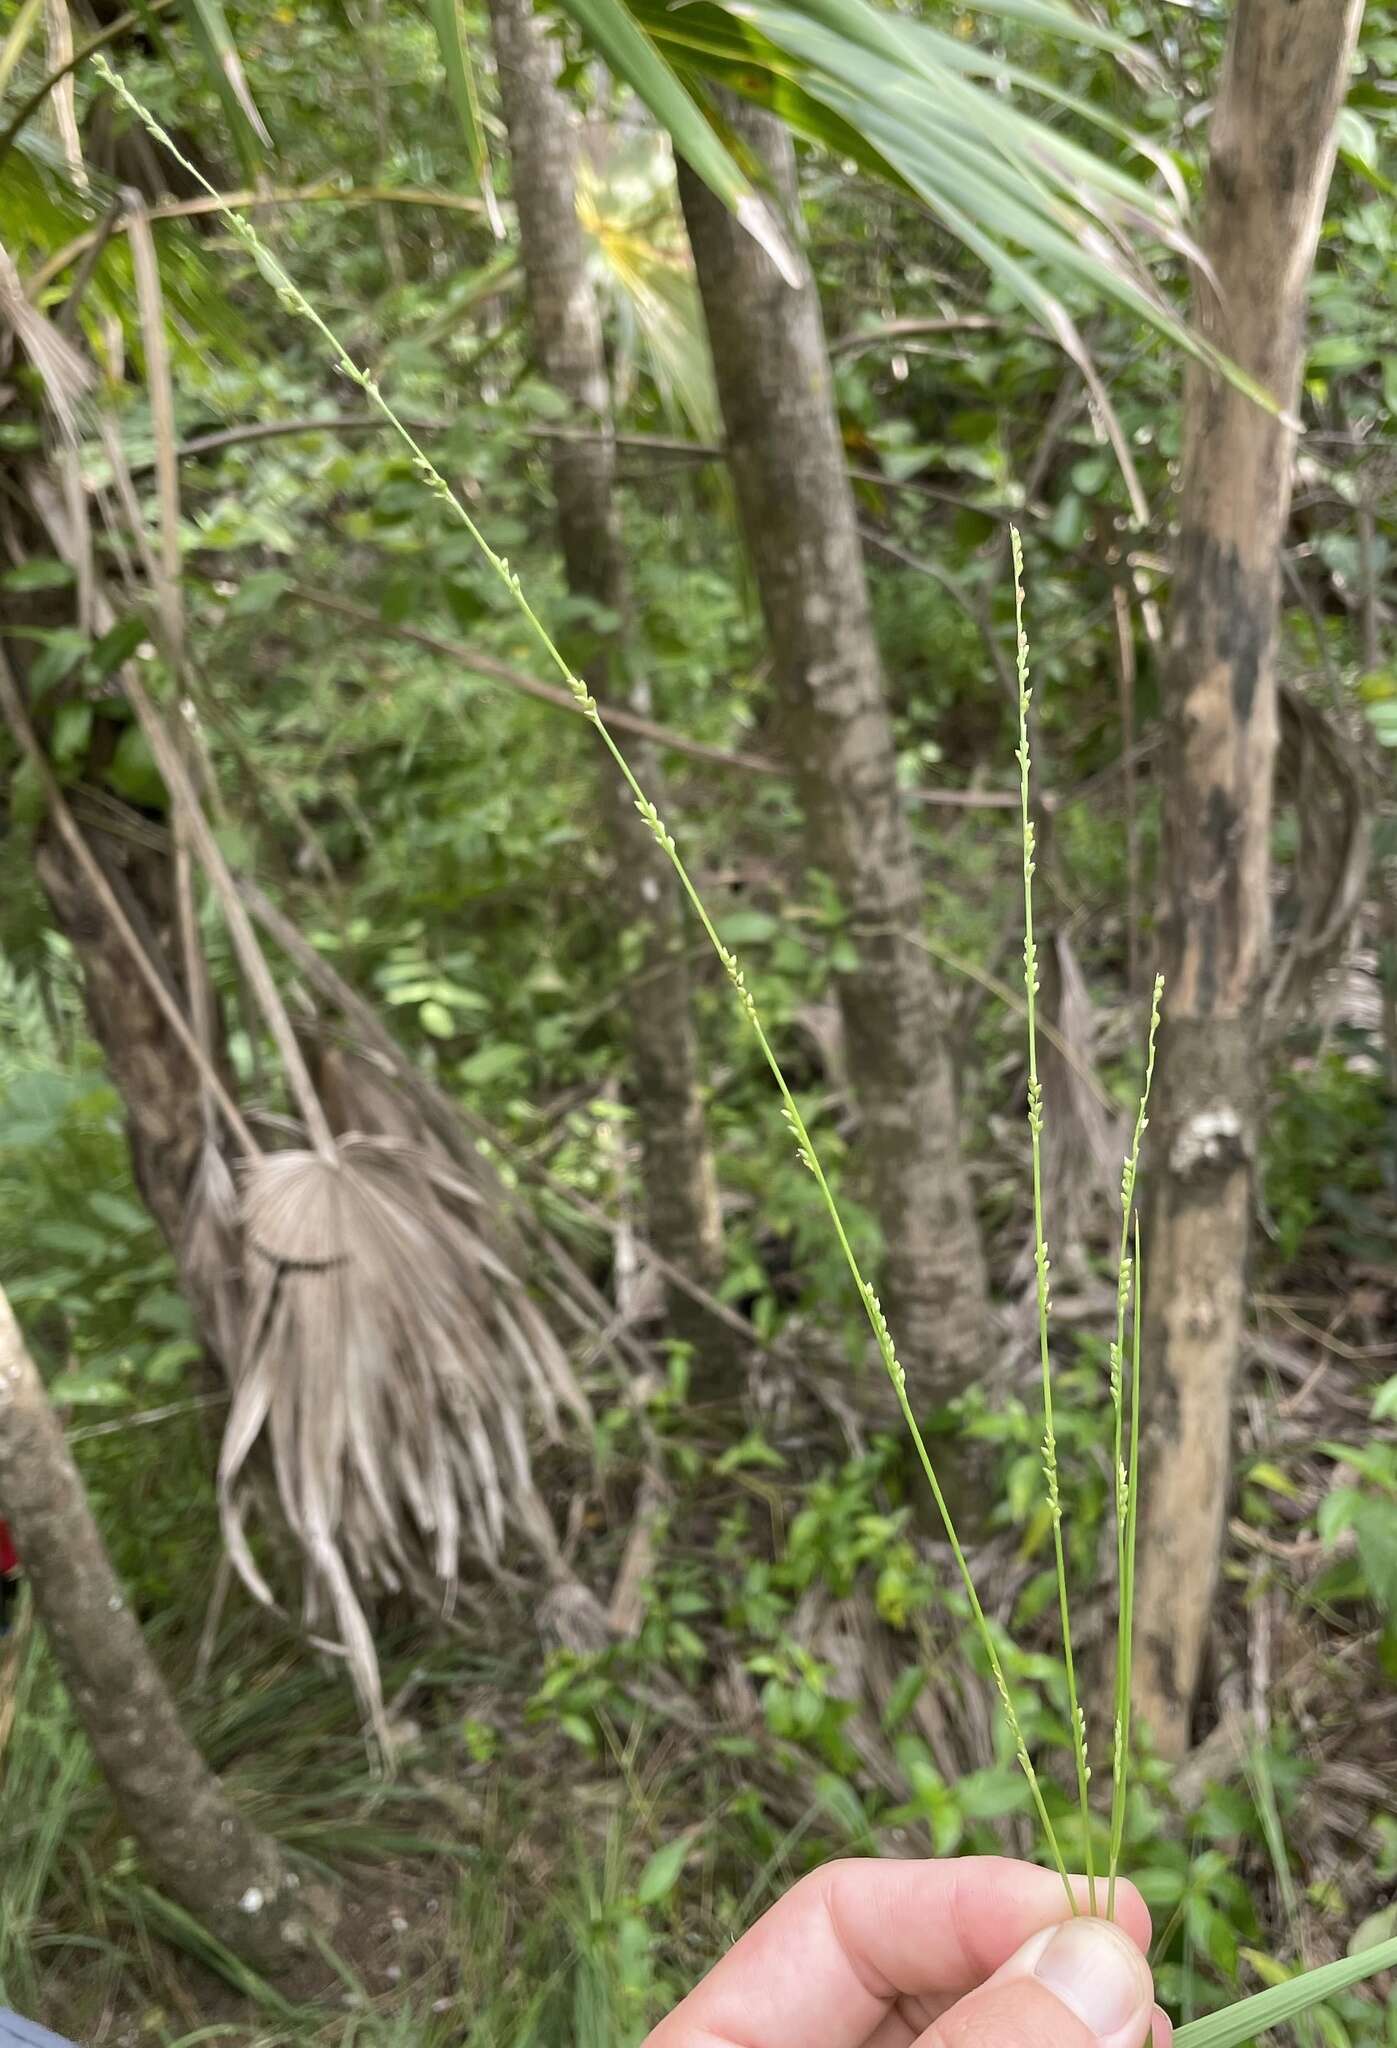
(861, 338)
(624, 720)
(144, 1418)
(956, 591)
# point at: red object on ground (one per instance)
(9, 1562)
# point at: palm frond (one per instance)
(386, 1350)
(941, 118)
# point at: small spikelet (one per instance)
(656, 823)
(798, 1132)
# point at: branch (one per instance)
(897, 330)
(516, 679)
(624, 720)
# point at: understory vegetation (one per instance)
(699, 1629)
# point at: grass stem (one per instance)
(1126, 1473)
(1040, 1242)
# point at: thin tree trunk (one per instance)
(165, 1126)
(153, 1074)
(797, 514)
(678, 1179)
(232, 1878)
(1272, 150)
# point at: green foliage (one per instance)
(1330, 1186)
(83, 1263)
(466, 894)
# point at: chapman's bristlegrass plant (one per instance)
(1283, 2002)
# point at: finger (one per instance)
(829, 1960)
(1082, 1984)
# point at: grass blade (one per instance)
(208, 25)
(1284, 2002)
(294, 301)
(460, 81)
(1040, 1242)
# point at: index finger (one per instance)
(831, 1957)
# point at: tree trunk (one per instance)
(1272, 150)
(153, 1074)
(232, 1878)
(797, 514)
(678, 1179)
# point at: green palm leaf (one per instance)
(465, 97)
(939, 116)
(208, 24)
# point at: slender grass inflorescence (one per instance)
(1040, 1242)
(1241, 2022)
(295, 302)
(1127, 1473)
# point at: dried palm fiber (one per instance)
(376, 1340)
(384, 1342)
(461, 1133)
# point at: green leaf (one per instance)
(1375, 1527)
(118, 1212)
(63, 647)
(1285, 2002)
(935, 114)
(43, 573)
(92, 1389)
(78, 1239)
(132, 772)
(632, 55)
(258, 593)
(661, 1873)
(208, 25)
(116, 645)
(436, 1019)
(491, 1063)
(460, 82)
(72, 729)
(903, 1698)
(1377, 1928)
(165, 1310)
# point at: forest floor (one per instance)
(574, 1828)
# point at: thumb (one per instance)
(1080, 1984)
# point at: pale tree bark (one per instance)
(679, 1185)
(1270, 158)
(197, 1847)
(797, 514)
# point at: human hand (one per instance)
(978, 1952)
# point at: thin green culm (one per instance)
(1040, 1242)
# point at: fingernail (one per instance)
(1098, 1973)
(1162, 2029)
